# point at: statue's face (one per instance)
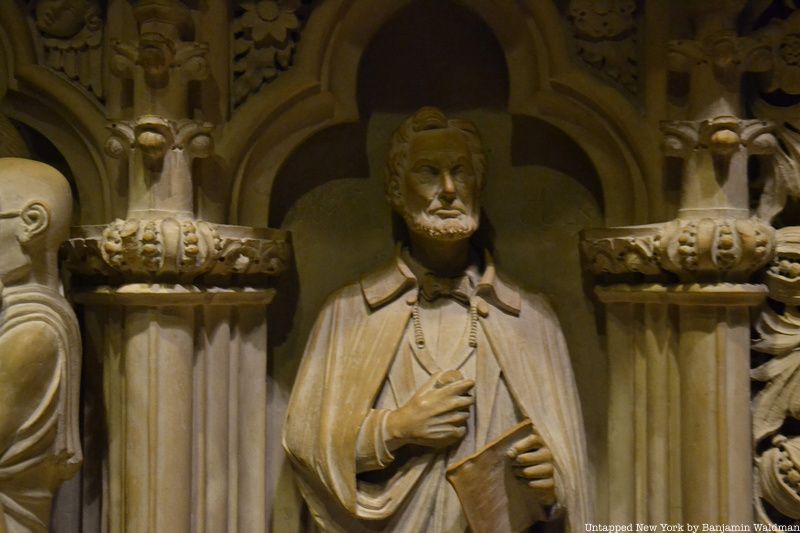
(12, 256)
(441, 188)
(61, 18)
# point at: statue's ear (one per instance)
(393, 193)
(35, 219)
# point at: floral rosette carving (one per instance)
(778, 466)
(605, 35)
(266, 33)
(715, 249)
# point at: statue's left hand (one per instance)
(534, 463)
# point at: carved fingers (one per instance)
(533, 462)
(436, 416)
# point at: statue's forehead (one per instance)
(434, 142)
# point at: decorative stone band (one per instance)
(685, 294)
(169, 295)
(706, 249)
(176, 251)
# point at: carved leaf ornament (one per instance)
(778, 467)
(264, 41)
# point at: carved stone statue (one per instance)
(39, 346)
(414, 376)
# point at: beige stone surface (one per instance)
(187, 129)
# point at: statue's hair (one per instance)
(427, 119)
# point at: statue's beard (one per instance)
(444, 229)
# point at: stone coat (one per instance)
(348, 356)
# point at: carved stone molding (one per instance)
(176, 250)
(158, 295)
(71, 40)
(265, 36)
(714, 249)
(605, 34)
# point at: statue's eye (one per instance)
(427, 170)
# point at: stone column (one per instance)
(678, 297)
(175, 311)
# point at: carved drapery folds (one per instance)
(40, 347)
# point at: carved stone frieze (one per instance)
(605, 34)
(71, 37)
(694, 249)
(171, 249)
(265, 35)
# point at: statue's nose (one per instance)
(448, 186)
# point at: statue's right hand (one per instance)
(436, 416)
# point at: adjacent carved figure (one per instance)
(415, 375)
(72, 38)
(39, 346)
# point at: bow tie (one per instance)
(433, 287)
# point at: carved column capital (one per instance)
(172, 249)
(159, 58)
(722, 136)
(154, 136)
(706, 249)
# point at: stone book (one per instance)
(494, 499)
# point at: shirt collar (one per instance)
(396, 278)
